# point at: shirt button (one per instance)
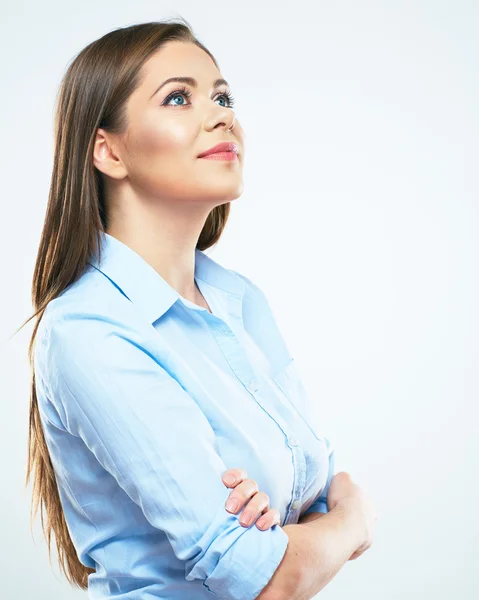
(293, 441)
(251, 387)
(296, 504)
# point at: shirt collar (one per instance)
(145, 287)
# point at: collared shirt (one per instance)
(146, 399)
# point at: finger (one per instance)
(269, 518)
(258, 504)
(233, 476)
(241, 494)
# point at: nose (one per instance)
(224, 117)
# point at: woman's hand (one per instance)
(246, 491)
(344, 491)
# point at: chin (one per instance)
(222, 194)
(232, 194)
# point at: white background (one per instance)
(359, 220)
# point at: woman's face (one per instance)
(168, 129)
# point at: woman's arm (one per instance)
(108, 389)
(318, 547)
(310, 517)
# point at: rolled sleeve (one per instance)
(321, 504)
(248, 560)
(150, 434)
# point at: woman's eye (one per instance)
(175, 95)
(178, 96)
(228, 97)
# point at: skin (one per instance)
(246, 492)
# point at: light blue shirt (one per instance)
(146, 399)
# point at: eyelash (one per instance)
(186, 92)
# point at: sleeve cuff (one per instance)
(249, 564)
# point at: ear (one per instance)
(105, 157)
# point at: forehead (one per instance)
(179, 59)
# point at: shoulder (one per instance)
(251, 288)
(88, 318)
(89, 301)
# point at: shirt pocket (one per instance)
(289, 383)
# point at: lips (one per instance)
(222, 147)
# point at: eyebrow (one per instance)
(191, 81)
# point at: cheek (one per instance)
(162, 153)
(165, 138)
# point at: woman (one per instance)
(157, 371)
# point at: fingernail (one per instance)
(229, 479)
(246, 519)
(232, 505)
(261, 522)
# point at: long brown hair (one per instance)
(93, 93)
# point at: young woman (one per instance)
(157, 371)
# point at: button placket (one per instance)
(290, 384)
(231, 347)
